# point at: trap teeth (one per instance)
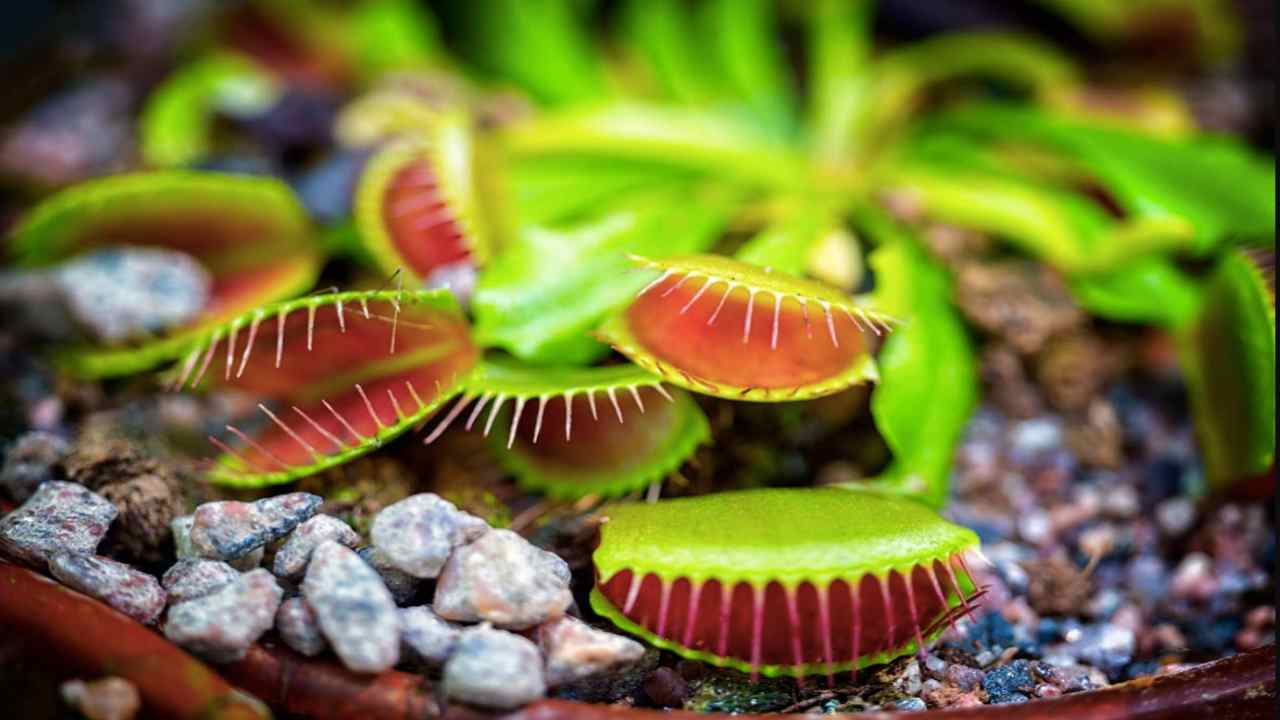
(723, 327)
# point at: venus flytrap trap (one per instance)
(1229, 353)
(727, 328)
(249, 234)
(337, 375)
(629, 430)
(416, 205)
(822, 580)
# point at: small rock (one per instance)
(356, 611)
(1022, 301)
(503, 579)
(494, 668)
(1176, 516)
(108, 698)
(426, 635)
(666, 688)
(402, 585)
(31, 460)
(911, 704)
(191, 578)
(227, 529)
(417, 534)
(575, 650)
(1193, 579)
(116, 294)
(60, 516)
(1071, 370)
(1106, 646)
(222, 625)
(298, 627)
(291, 559)
(181, 529)
(1009, 683)
(130, 591)
(963, 676)
(1121, 501)
(1075, 678)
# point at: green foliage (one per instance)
(1216, 185)
(928, 373)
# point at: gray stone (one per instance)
(298, 627)
(495, 669)
(292, 557)
(402, 585)
(356, 611)
(191, 578)
(503, 579)
(181, 527)
(30, 461)
(130, 591)
(115, 294)
(222, 625)
(60, 516)
(574, 650)
(417, 533)
(427, 636)
(227, 529)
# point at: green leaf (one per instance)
(1217, 185)
(1149, 290)
(742, 37)
(957, 181)
(900, 76)
(1229, 357)
(839, 49)
(542, 296)
(557, 188)
(928, 375)
(661, 34)
(681, 138)
(541, 45)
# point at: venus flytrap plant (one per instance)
(250, 234)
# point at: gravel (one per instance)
(292, 557)
(356, 611)
(184, 550)
(130, 591)
(495, 669)
(299, 628)
(60, 516)
(574, 650)
(503, 579)
(426, 636)
(191, 578)
(417, 534)
(31, 460)
(227, 529)
(221, 626)
(403, 586)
